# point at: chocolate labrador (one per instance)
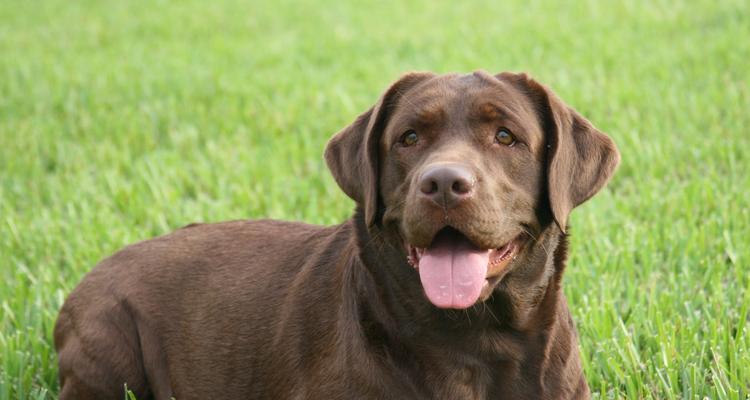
(445, 284)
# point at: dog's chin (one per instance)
(456, 271)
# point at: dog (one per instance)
(445, 283)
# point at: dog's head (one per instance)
(464, 168)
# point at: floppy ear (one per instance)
(580, 158)
(352, 154)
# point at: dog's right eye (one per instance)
(409, 138)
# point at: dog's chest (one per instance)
(480, 381)
(486, 368)
(445, 373)
(458, 382)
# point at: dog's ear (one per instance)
(352, 154)
(580, 158)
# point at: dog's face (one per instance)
(462, 163)
(463, 168)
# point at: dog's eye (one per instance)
(409, 138)
(505, 137)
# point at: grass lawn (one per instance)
(124, 120)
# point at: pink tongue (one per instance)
(453, 271)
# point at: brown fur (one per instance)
(279, 310)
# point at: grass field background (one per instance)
(124, 120)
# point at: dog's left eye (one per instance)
(505, 137)
(409, 138)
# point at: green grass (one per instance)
(120, 121)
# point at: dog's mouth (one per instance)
(455, 272)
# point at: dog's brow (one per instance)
(491, 111)
(430, 114)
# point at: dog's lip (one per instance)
(500, 257)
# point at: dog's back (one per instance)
(181, 295)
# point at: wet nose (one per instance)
(446, 185)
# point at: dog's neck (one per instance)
(391, 294)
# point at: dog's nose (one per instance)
(446, 185)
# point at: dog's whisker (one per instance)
(536, 240)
